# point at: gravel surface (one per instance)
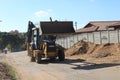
(70, 69)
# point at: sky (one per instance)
(15, 14)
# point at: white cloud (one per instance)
(41, 13)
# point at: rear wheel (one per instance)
(61, 55)
(38, 57)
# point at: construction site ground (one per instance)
(84, 61)
(95, 53)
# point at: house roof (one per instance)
(114, 25)
(98, 25)
(87, 29)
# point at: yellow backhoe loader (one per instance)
(41, 39)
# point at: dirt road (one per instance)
(70, 69)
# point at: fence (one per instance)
(98, 37)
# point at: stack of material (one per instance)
(104, 52)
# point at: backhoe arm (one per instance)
(29, 35)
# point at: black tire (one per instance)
(61, 55)
(32, 59)
(38, 57)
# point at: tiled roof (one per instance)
(103, 23)
(87, 29)
(98, 25)
(116, 24)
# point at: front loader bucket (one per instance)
(57, 27)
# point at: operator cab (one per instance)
(35, 44)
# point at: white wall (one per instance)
(100, 37)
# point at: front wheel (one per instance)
(61, 55)
(38, 57)
(32, 59)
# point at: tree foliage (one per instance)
(13, 39)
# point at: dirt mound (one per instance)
(81, 47)
(95, 52)
(107, 50)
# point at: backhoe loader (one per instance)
(41, 39)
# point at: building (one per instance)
(100, 26)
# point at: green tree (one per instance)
(15, 41)
(9, 47)
(23, 47)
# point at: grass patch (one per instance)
(12, 73)
(7, 72)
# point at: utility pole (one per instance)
(76, 25)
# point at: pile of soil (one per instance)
(4, 72)
(81, 47)
(95, 52)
